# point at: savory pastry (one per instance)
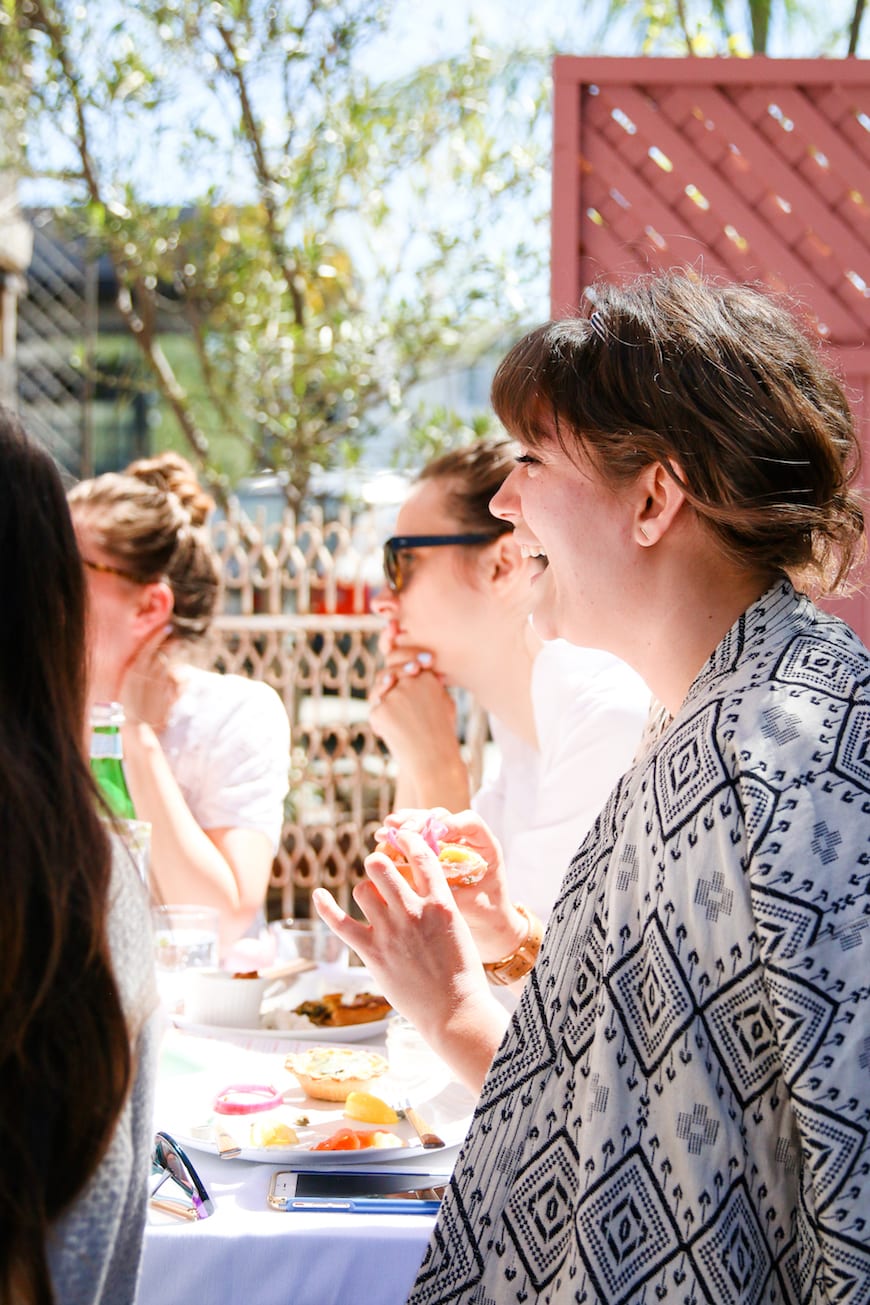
(335, 1011)
(332, 1073)
(461, 864)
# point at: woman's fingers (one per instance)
(400, 670)
(426, 876)
(384, 681)
(409, 661)
(350, 931)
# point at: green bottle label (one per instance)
(107, 768)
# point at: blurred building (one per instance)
(16, 243)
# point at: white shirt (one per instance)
(590, 710)
(227, 742)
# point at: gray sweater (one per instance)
(95, 1248)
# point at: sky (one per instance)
(421, 30)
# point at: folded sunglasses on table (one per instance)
(170, 1163)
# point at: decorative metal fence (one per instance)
(295, 613)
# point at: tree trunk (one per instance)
(855, 26)
(759, 16)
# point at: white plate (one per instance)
(194, 1070)
(347, 1033)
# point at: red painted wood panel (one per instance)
(755, 169)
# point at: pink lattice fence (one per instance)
(754, 169)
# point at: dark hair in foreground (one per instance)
(476, 472)
(718, 381)
(64, 1046)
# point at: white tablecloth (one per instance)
(247, 1253)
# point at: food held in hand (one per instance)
(397, 856)
(335, 1010)
(357, 1139)
(369, 1109)
(265, 1133)
(461, 864)
(332, 1073)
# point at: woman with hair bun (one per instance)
(206, 755)
(680, 1107)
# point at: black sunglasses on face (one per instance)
(406, 543)
(168, 1160)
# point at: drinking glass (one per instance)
(312, 940)
(414, 1066)
(185, 938)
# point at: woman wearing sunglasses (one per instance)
(679, 1109)
(206, 755)
(77, 996)
(567, 721)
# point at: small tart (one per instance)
(332, 1073)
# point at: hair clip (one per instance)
(598, 325)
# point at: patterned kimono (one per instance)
(680, 1108)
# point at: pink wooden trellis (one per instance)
(752, 169)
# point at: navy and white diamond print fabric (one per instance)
(680, 1110)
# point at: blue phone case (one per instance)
(361, 1205)
(353, 1192)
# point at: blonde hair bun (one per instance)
(173, 474)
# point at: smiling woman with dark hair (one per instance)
(679, 1108)
(76, 970)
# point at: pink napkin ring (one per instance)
(246, 1099)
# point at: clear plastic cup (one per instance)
(185, 938)
(414, 1066)
(312, 940)
(309, 940)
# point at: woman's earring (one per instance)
(642, 530)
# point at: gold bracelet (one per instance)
(519, 962)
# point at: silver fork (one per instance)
(428, 1139)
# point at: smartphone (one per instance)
(356, 1192)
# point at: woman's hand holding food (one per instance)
(496, 925)
(421, 954)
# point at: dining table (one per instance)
(249, 1253)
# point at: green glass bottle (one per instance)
(107, 758)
